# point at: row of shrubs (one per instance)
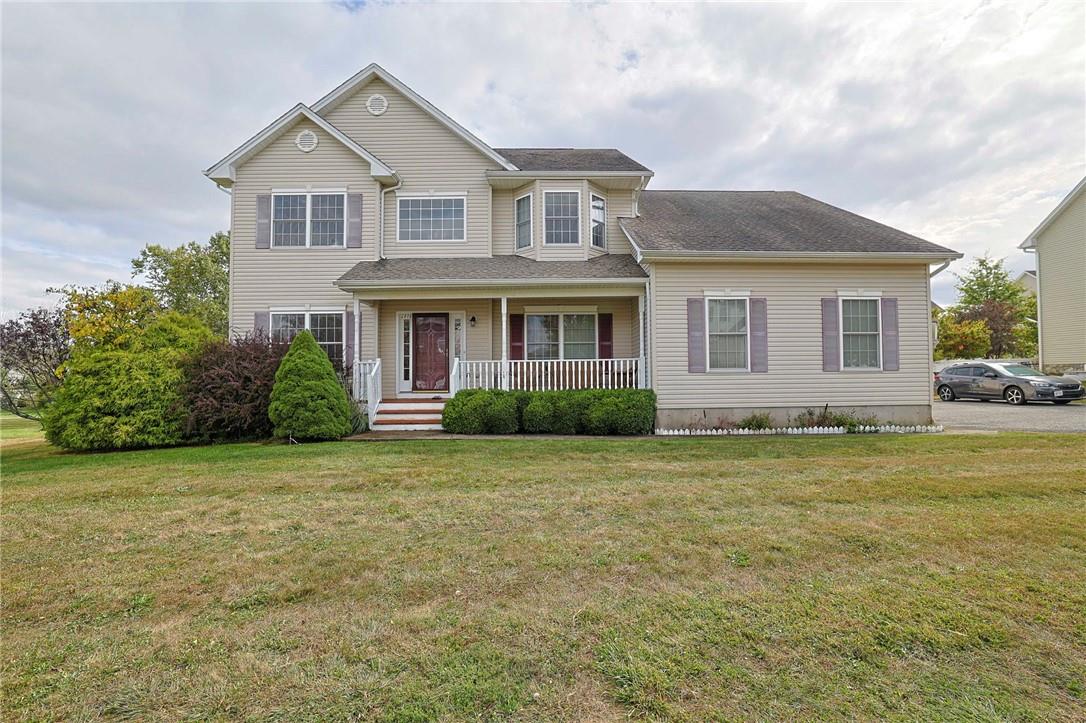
(175, 383)
(587, 411)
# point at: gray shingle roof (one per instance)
(571, 159)
(609, 266)
(761, 221)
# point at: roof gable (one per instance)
(1031, 240)
(224, 172)
(373, 70)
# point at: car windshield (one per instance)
(1017, 370)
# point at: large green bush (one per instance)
(127, 397)
(307, 401)
(589, 411)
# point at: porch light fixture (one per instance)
(471, 321)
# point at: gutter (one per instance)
(941, 269)
(351, 284)
(798, 255)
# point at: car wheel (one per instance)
(1014, 396)
(1061, 401)
(946, 393)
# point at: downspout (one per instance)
(381, 219)
(939, 270)
(1040, 342)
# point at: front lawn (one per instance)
(924, 577)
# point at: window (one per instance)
(325, 326)
(431, 219)
(727, 333)
(599, 222)
(308, 219)
(860, 334)
(524, 221)
(560, 336)
(562, 217)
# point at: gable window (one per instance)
(599, 221)
(431, 219)
(728, 333)
(325, 326)
(308, 219)
(523, 208)
(562, 217)
(860, 334)
(560, 336)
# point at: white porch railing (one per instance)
(548, 375)
(362, 369)
(367, 384)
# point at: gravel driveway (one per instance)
(1000, 416)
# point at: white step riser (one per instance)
(435, 408)
(407, 428)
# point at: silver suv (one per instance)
(1014, 383)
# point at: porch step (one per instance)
(406, 415)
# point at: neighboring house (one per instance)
(1060, 246)
(1028, 281)
(429, 262)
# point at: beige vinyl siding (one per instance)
(623, 309)
(429, 158)
(1061, 267)
(794, 330)
(504, 229)
(294, 277)
(619, 205)
(477, 340)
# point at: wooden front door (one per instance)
(431, 352)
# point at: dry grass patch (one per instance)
(912, 577)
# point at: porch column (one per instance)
(356, 371)
(505, 344)
(641, 371)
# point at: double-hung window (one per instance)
(560, 336)
(523, 221)
(431, 219)
(561, 217)
(325, 326)
(728, 332)
(599, 221)
(308, 219)
(861, 334)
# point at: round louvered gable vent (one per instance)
(377, 104)
(306, 141)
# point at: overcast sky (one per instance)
(963, 123)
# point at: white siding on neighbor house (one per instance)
(429, 158)
(794, 332)
(1061, 271)
(294, 277)
(622, 309)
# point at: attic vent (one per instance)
(306, 141)
(376, 104)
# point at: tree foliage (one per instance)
(229, 385)
(192, 278)
(961, 339)
(33, 349)
(124, 397)
(988, 280)
(994, 318)
(110, 316)
(307, 401)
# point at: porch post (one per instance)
(356, 372)
(641, 371)
(505, 344)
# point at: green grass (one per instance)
(14, 428)
(908, 577)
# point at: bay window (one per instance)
(599, 221)
(523, 221)
(561, 217)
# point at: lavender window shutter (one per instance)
(350, 333)
(759, 345)
(261, 323)
(695, 335)
(831, 351)
(891, 354)
(354, 220)
(263, 221)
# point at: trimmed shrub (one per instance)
(307, 400)
(229, 388)
(590, 411)
(127, 398)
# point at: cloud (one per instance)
(961, 124)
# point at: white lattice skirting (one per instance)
(880, 429)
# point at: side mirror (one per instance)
(991, 375)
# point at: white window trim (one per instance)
(727, 297)
(865, 295)
(591, 241)
(580, 220)
(434, 197)
(308, 193)
(308, 311)
(562, 330)
(531, 221)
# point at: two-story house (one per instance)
(426, 261)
